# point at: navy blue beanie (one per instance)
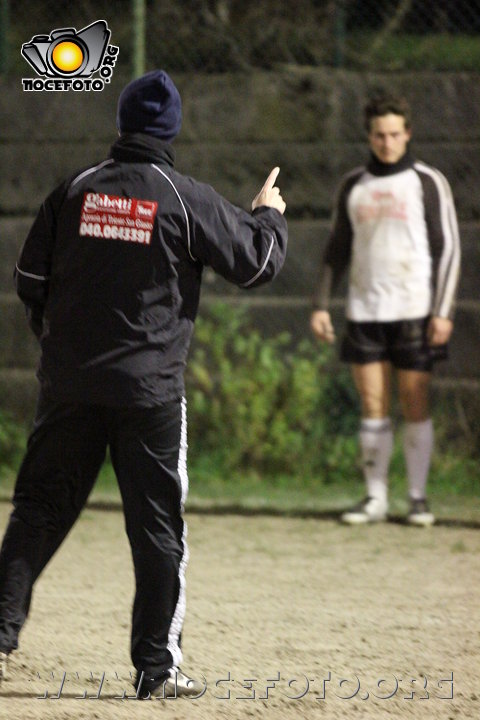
(150, 104)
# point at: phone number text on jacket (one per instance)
(114, 232)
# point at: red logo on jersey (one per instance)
(383, 205)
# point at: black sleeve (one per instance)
(338, 251)
(247, 249)
(32, 271)
(444, 241)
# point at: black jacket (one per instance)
(111, 269)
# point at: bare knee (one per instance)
(414, 395)
(373, 385)
(374, 406)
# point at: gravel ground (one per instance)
(286, 617)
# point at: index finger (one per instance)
(270, 181)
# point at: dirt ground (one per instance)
(286, 618)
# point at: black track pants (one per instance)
(64, 454)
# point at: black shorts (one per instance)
(403, 343)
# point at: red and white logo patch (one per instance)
(117, 218)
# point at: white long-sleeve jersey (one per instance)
(396, 227)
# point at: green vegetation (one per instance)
(273, 425)
(265, 405)
(229, 35)
(12, 446)
(403, 52)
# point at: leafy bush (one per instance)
(261, 404)
(457, 423)
(266, 413)
(289, 414)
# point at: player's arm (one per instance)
(33, 267)
(320, 320)
(247, 249)
(334, 263)
(444, 244)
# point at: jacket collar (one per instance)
(138, 148)
(376, 167)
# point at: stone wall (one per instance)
(235, 129)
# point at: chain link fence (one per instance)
(230, 35)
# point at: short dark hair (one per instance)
(383, 104)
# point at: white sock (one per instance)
(418, 446)
(376, 443)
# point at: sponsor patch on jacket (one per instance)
(117, 218)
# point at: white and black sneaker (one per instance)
(175, 684)
(3, 666)
(369, 510)
(420, 514)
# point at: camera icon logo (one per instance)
(66, 53)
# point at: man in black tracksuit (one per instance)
(110, 276)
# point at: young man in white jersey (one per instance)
(395, 226)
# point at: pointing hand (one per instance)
(269, 195)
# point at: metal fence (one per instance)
(225, 35)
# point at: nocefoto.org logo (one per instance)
(68, 59)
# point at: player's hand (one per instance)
(269, 195)
(321, 326)
(439, 330)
